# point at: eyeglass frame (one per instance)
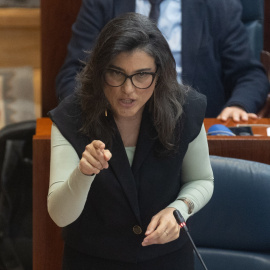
(154, 74)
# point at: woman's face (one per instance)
(127, 100)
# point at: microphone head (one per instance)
(219, 130)
(179, 218)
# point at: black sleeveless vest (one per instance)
(123, 199)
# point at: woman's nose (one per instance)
(128, 86)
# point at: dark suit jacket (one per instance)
(122, 197)
(216, 56)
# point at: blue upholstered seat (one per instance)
(232, 231)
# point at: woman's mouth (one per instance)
(127, 101)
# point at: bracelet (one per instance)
(189, 204)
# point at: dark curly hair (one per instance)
(127, 33)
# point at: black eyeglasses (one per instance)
(141, 80)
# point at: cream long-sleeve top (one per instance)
(68, 189)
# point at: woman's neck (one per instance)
(129, 129)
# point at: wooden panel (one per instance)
(19, 18)
(20, 37)
(55, 33)
(255, 148)
(19, 47)
(37, 91)
(43, 129)
(47, 242)
(20, 44)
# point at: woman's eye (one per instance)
(115, 73)
(142, 74)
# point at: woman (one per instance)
(128, 148)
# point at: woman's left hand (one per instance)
(162, 229)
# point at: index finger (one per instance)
(107, 155)
(98, 144)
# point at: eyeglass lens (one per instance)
(139, 80)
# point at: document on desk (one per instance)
(268, 131)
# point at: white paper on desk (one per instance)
(268, 131)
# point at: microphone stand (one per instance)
(182, 223)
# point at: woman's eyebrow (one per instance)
(115, 67)
(136, 71)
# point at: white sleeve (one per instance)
(197, 176)
(69, 187)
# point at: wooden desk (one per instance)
(47, 242)
(255, 148)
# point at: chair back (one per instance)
(233, 229)
(253, 19)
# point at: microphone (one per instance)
(182, 223)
